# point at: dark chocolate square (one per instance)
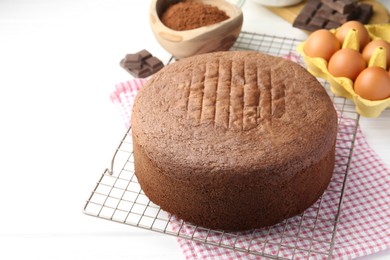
(153, 62)
(144, 54)
(133, 57)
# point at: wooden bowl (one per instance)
(216, 37)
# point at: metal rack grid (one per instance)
(118, 197)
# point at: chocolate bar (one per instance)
(316, 14)
(141, 64)
(307, 19)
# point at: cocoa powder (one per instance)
(189, 14)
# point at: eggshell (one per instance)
(346, 63)
(321, 44)
(342, 32)
(370, 48)
(373, 84)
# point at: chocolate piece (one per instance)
(133, 57)
(153, 63)
(366, 11)
(141, 73)
(141, 64)
(317, 15)
(144, 54)
(341, 6)
(133, 61)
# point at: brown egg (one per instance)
(346, 63)
(371, 46)
(321, 43)
(373, 84)
(342, 32)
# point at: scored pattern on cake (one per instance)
(236, 95)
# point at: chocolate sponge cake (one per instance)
(233, 140)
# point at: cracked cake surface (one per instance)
(238, 123)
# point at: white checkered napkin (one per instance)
(123, 97)
(364, 224)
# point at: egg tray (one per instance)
(343, 86)
(118, 197)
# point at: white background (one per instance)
(59, 129)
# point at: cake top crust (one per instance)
(239, 111)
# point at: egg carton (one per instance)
(344, 87)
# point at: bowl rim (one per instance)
(200, 30)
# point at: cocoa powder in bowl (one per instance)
(189, 14)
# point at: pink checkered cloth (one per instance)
(364, 224)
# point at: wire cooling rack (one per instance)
(118, 197)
